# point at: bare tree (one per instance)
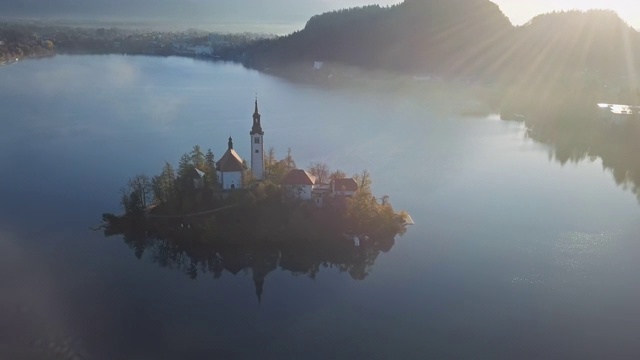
(338, 174)
(364, 181)
(140, 185)
(320, 171)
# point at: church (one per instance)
(230, 168)
(298, 183)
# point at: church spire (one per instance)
(256, 110)
(257, 127)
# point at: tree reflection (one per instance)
(187, 250)
(580, 130)
(591, 136)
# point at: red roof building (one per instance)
(344, 187)
(299, 177)
(299, 184)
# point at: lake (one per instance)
(513, 256)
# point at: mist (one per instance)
(287, 14)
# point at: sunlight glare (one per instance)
(521, 11)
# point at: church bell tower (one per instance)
(257, 146)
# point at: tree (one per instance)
(157, 190)
(184, 165)
(276, 170)
(364, 181)
(197, 157)
(141, 188)
(210, 161)
(269, 163)
(338, 174)
(320, 171)
(211, 178)
(125, 199)
(164, 185)
(289, 163)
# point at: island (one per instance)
(209, 215)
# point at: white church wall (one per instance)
(230, 180)
(257, 156)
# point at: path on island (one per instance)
(191, 214)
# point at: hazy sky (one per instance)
(270, 11)
(521, 11)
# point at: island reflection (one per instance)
(187, 249)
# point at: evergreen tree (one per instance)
(184, 165)
(164, 185)
(210, 161)
(211, 178)
(197, 157)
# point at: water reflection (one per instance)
(185, 250)
(612, 138)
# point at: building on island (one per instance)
(299, 184)
(344, 187)
(257, 146)
(230, 169)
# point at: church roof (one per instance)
(257, 127)
(298, 177)
(348, 184)
(230, 162)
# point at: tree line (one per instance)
(18, 42)
(171, 187)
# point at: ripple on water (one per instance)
(582, 253)
(572, 256)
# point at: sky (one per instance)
(521, 11)
(292, 12)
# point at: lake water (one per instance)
(514, 256)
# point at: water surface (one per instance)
(514, 255)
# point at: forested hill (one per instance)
(414, 35)
(598, 41)
(571, 58)
(464, 38)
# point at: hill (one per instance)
(573, 58)
(462, 38)
(417, 35)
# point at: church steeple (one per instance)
(257, 146)
(257, 127)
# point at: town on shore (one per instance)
(20, 40)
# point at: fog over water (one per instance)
(513, 254)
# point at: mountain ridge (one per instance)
(459, 38)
